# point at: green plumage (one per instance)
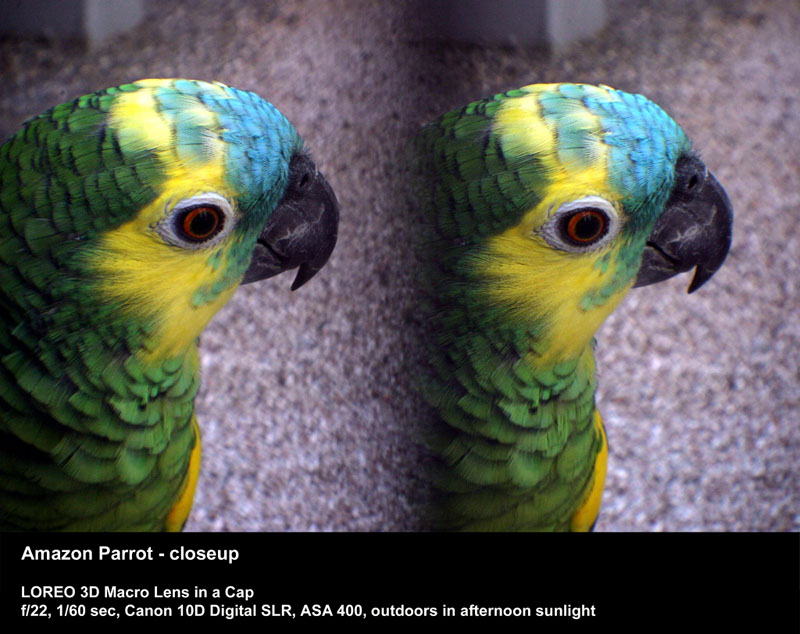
(68, 390)
(478, 190)
(517, 446)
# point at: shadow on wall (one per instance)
(88, 22)
(552, 23)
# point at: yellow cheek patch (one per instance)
(158, 282)
(526, 275)
(151, 279)
(536, 281)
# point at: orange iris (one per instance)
(202, 222)
(586, 226)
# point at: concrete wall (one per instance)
(554, 23)
(89, 21)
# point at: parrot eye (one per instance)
(581, 225)
(197, 222)
(586, 226)
(201, 223)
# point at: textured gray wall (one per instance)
(550, 23)
(89, 22)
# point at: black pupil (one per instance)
(587, 226)
(203, 223)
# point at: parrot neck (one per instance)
(514, 388)
(506, 377)
(124, 365)
(549, 377)
(516, 429)
(500, 352)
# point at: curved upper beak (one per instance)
(694, 230)
(301, 232)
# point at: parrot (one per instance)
(128, 218)
(541, 208)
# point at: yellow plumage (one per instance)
(137, 267)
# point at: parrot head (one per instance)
(153, 201)
(553, 200)
(544, 207)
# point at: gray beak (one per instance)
(302, 230)
(694, 230)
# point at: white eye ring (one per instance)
(582, 225)
(172, 229)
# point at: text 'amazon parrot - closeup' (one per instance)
(128, 218)
(545, 205)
